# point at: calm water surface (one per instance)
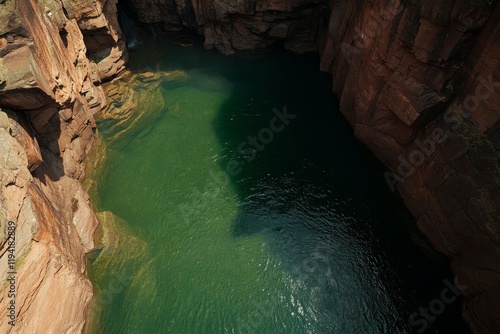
(301, 236)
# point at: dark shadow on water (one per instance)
(320, 198)
(316, 194)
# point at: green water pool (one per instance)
(228, 216)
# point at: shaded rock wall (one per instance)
(234, 25)
(53, 57)
(419, 81)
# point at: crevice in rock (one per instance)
(135, 32)
(64, 37)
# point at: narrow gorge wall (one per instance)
(419, 81)
(235, 25)
(53, 57)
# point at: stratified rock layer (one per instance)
(50, 79)
(233, 25)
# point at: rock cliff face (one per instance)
(420, 83)
(417, 80)
(232, 25)
(53, 57)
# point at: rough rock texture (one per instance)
(230, 25)
(128, 91)
(420, 83)
(50, 81)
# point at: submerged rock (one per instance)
(126, 256)
(131, 90)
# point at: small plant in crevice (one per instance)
(457, 71)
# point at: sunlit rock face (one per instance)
(53, 57)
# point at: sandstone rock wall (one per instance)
(53, 57)
(419, 81)
(232, 25)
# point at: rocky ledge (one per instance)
(53, 57)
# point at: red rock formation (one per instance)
(50, 79)
(420, 83)
(240, 25)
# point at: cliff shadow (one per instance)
(46, 124)
(320, 199)
(38, 131)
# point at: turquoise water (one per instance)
(298, 235)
